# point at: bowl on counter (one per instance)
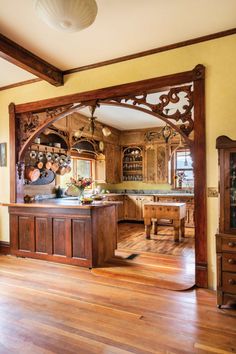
(86, 200)
(97, 197)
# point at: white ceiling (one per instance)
(10, 74)
(123, 118)
(122, 27)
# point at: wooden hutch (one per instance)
(226, 238)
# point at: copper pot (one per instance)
(48, 165)
(32, 174)
(40, 165)
(55, 167)
(61, 171)
(68, 169)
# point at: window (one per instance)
(183, 169)
(83, 168)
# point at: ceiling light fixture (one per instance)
(67, 15)
(92, 126)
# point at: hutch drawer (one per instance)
(229, 262)
(228, 244)
(229, 282)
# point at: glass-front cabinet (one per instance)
(232, 196)
(132, 163)
(226, 236)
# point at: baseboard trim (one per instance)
(4, 247)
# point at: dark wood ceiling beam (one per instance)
(30, 62)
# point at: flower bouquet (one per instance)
(80, 184)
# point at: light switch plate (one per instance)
(212, 192)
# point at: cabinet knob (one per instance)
(231, 244)
(231, 261)
(232, 282)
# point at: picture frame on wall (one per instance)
(3, 154)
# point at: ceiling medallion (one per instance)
(67, 15)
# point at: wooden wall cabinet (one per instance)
(133, 206)
(113, 158)
(226, 238)
(156, 163)
(100, 169)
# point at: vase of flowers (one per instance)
(80, 184)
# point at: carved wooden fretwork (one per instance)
(50, 113)
(20, 168)
(175, 105)
(29, 122)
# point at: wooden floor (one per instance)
(132, 237)
(170, 265)
(53, 308)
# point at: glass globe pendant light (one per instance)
(67, 15)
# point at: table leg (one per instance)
(155, 227)
(183, 227)
(176, 225)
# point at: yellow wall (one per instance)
(218, 56)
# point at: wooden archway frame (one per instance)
(195, 76)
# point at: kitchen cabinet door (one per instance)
(113, 163)
(130, 207)
(162, 163)
(120, 206)
(100, 169)
(150, 164)
(156, 163)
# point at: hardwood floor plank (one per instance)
(66, 309)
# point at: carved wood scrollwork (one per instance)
(29, 122)
(177, 99)
(20, 168)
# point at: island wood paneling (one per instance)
(79, 236)
(41, 235)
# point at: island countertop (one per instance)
(61, 203)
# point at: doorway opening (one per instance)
(133, 95)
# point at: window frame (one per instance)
(175, 169)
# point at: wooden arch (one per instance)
(132, 95)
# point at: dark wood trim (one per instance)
(30, 62)
(224, 142)
(137, 87)
(153, 51)
(199, 155)
(17, 84)
(12, 148)
(4, 247)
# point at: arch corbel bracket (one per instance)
(44, 125)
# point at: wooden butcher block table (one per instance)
(154, 211)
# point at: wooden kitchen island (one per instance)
(172, 211)
(64, 231)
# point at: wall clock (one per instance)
(101, 145)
